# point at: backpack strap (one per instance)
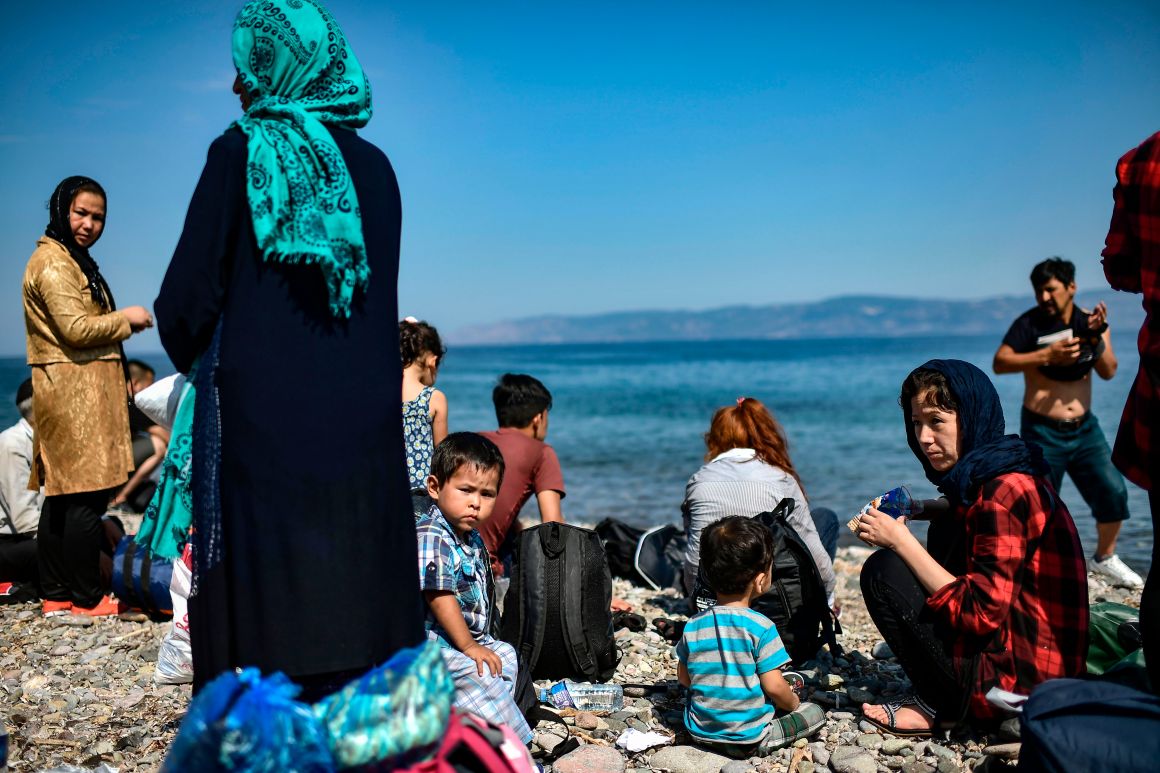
(572, 601)
(532, 596)
(831, 628)
(127, 569)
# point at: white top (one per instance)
(736, 482)
(19, 506)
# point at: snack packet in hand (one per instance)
(895, 502)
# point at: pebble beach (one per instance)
(83, 695)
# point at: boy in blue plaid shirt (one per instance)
(466, 470)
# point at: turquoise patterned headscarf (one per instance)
(296, 66)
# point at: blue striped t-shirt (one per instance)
(725, 649)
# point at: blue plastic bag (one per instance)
(242, 722)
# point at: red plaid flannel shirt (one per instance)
(1020, 612)
(1132, 263)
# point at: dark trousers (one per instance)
(70, 542)
(18, 559)
(897, 603)
(1150, 600)
(826, 522)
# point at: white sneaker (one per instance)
(1115, 572)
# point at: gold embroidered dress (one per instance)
(81, 440)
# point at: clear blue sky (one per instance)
(585, 157)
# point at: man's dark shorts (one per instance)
(1080, 449)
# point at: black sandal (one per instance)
(892, 708)
(670, 630)
(632, 622)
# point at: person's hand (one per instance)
(1063, 352)
(139, 318)
(481, 655)
(879, 529)
(119, 499)
(1098, 318)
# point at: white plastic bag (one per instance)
(175, 658)
(159, 400)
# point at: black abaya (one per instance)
(319, 572)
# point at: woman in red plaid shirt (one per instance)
(1000, 599)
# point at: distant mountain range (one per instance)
(851, 316)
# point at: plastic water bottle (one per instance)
(584, 696)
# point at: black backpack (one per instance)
(556, 612)
(652, 558)
(796, 602)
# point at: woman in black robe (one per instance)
(304, 544)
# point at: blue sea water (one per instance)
(628, 419)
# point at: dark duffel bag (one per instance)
(142, 581)
(1076, 724)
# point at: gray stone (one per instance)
(590, 759)
(1005, 750)
(916, 767)
(737, 766)
(852, 759)
(830, 681)
(820, 753)
(548, 741)
(941, 752)
(948, 766)
(687, 759)
(866, 727)
(805, 766)
(615, 725)
(870, 741)
(860, 695)
(882, 651)
(893, 762)
(839, 715)
(895, 745)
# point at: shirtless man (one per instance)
(1056, 346)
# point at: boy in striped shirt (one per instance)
(731, 657)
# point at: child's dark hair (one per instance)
(734, 550)
(1053, 268)
(931, 386)
(518, 399)
(465, 448)
(417, 337)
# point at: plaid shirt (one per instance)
(1020, 612)
(449, 562)
(1132, 263)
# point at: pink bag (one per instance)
(473, 743)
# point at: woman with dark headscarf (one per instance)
(1001, 598)
(81, 445)
(283, 290)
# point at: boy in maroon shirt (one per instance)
(521, 409)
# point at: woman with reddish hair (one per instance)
(748, 471)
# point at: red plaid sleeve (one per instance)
(980, 601)
(1131, 261)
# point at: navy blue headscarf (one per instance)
(984, 450)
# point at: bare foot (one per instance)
(905, 717)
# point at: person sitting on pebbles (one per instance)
(731, 656)
(999, 597)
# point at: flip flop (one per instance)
(893, 707)
(670, 630)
